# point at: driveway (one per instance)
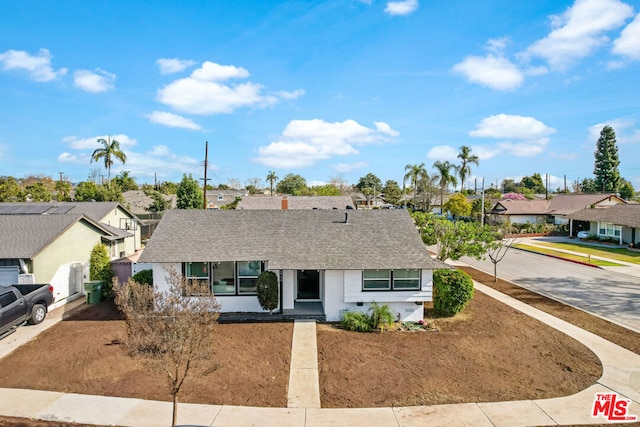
(608, 294)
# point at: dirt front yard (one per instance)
(490, 352)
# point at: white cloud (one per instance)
(578, 32)
(442, 152)
(384, 128)
(531, 135)
(172, 120)
(94, 81)
(495, 72)
(159, 160)
(92, 142)
(38, 66)
(204, 92)
(511, 126)
(290, 95)
(348, 167)
(404, 7)
(173, 65)
(305, 142)
(484, 152)
(628, 44)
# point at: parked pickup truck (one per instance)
(23, 303)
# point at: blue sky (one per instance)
(324, 89)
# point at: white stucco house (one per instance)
(336, 260)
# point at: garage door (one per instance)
(9, 275)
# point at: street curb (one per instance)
(559, 257)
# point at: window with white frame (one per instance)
(387, 280)
(608, 229)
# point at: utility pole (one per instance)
(205, 179)
(482, 208)
(60, 190)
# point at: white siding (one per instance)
(523, 219)
(288, 289)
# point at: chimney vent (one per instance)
(346, 217)
(285, 204)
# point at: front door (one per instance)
(308, 285)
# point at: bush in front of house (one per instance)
(100, 269)
(144, 277)
(453, 289)
(267, 290)
(355, 321)
(379, 317)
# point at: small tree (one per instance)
(189, 194)
(172, 330)
(453, 289)
(267, 290)
(607, 175)
(497, 251)
(100, 268)
(458, 205)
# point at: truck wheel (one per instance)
(38, 313)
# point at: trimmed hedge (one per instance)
(267, 290)
(144, 277)
(453, 289)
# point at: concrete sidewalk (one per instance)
(621, 374)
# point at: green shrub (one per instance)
(355, 321)
(144, 277)
(453, 289)
(100, 269)
(381, 316)
(267, 290)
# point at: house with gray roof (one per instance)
(336, 260)
(620, 221)
(555, 210)
(52, 242)
(261, 202)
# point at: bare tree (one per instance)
(496, 251)
(171, 330)
(234, 183)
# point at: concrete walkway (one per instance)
(621, 374)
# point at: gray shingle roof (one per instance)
(622, 214)
(24, 236)
(94, 210)
(292, 239)
(295, 202)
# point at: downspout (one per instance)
(23, 266)
(281, 291)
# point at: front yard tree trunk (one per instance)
(174, 417)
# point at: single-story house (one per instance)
(621, 221)
(552, 211)
(294, 202)
(335, 259)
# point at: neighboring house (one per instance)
(68, 231)
(52, 249)
(520, 211)
(218, 198)
(360, 201)
(336, 260)
(295, 202)
(552, 211)
(620, 221)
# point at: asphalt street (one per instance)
(612, 295)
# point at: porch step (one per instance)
(266, 317)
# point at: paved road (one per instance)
(608, 294)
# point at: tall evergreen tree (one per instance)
(607, 175)
(189, 195)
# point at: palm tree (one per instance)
(446, 178)
(271, 178)
(110, 150)
(415, 173)
(464, 169)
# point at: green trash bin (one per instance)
(93, 289)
